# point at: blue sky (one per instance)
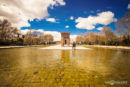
(80, 8)
(55, 16)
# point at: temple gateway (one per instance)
(65, 39)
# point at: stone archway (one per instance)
(65, 38)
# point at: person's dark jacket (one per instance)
(74, 44)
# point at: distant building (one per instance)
(65, 38)
(58, 42)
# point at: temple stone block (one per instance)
(65, 39)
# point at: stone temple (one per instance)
(65, 39)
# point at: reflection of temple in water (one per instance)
(65, 56)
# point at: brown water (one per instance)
(33, 67)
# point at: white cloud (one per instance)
(90, 22)
(40, 30)
(66, 26)
(73, 38)
(71, 18)
(26, 30)
(61, 2)
(99, 28)
(51, 20)
(55, 34)
(128, 6)
(18, 12)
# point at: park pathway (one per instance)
(59, 47)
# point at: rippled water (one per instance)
(33, 67)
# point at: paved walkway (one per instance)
(105, 46)
(59, 47)
(7, 47)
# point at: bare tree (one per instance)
(41, 37)
(48, 38)
(7, 32)
(123, 24)
(28, 38)
(109, 34)
(79, 39)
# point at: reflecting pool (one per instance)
(33, 67)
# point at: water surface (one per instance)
(33, 67)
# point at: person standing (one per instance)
(74, 45)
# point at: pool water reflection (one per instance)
(33, 67)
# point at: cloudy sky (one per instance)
(55, 16)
